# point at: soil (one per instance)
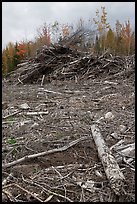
(71, 108)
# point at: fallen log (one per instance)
(111, 167)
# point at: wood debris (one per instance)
(62, 62)
(111, 167)
(47, 127)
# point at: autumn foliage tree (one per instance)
(124, 38)
(126, 34)
(102, 27)
(12, 55)
(120, 41)
(110, 41)
(21, 51)
(43, 36)
(4, 62)
(8, 58)
(15, 53)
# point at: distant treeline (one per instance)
(119, 40)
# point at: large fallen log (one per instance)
(111, 167)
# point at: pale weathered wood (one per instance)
(36, 113)
(111, 167)
(42, 80)
(12, 114)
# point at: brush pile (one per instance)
(62, 62)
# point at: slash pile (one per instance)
(62, 62)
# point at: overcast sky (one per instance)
(20, 20)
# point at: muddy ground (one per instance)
(66, 110)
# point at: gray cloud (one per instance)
(20, 20)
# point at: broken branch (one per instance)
(26, 158)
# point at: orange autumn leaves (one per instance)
(127, 37)
(21, 50)
(13, 54)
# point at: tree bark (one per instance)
(111, 167)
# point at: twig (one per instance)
(12, 114)
(20, 81)
(124, 159)
(7, 122)
(36, 113)
(49, 198)
(28, 192)
(9, 195)
(48, 91)
(4, 182)
(60, 178)
(46, 190)
(82, 195)
(42, 80)
(26, 158)
(103, 54)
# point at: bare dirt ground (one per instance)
(64, 112)
(50, 105)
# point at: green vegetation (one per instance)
(12, 141)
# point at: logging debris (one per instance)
(62, 62)
(46, 128)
